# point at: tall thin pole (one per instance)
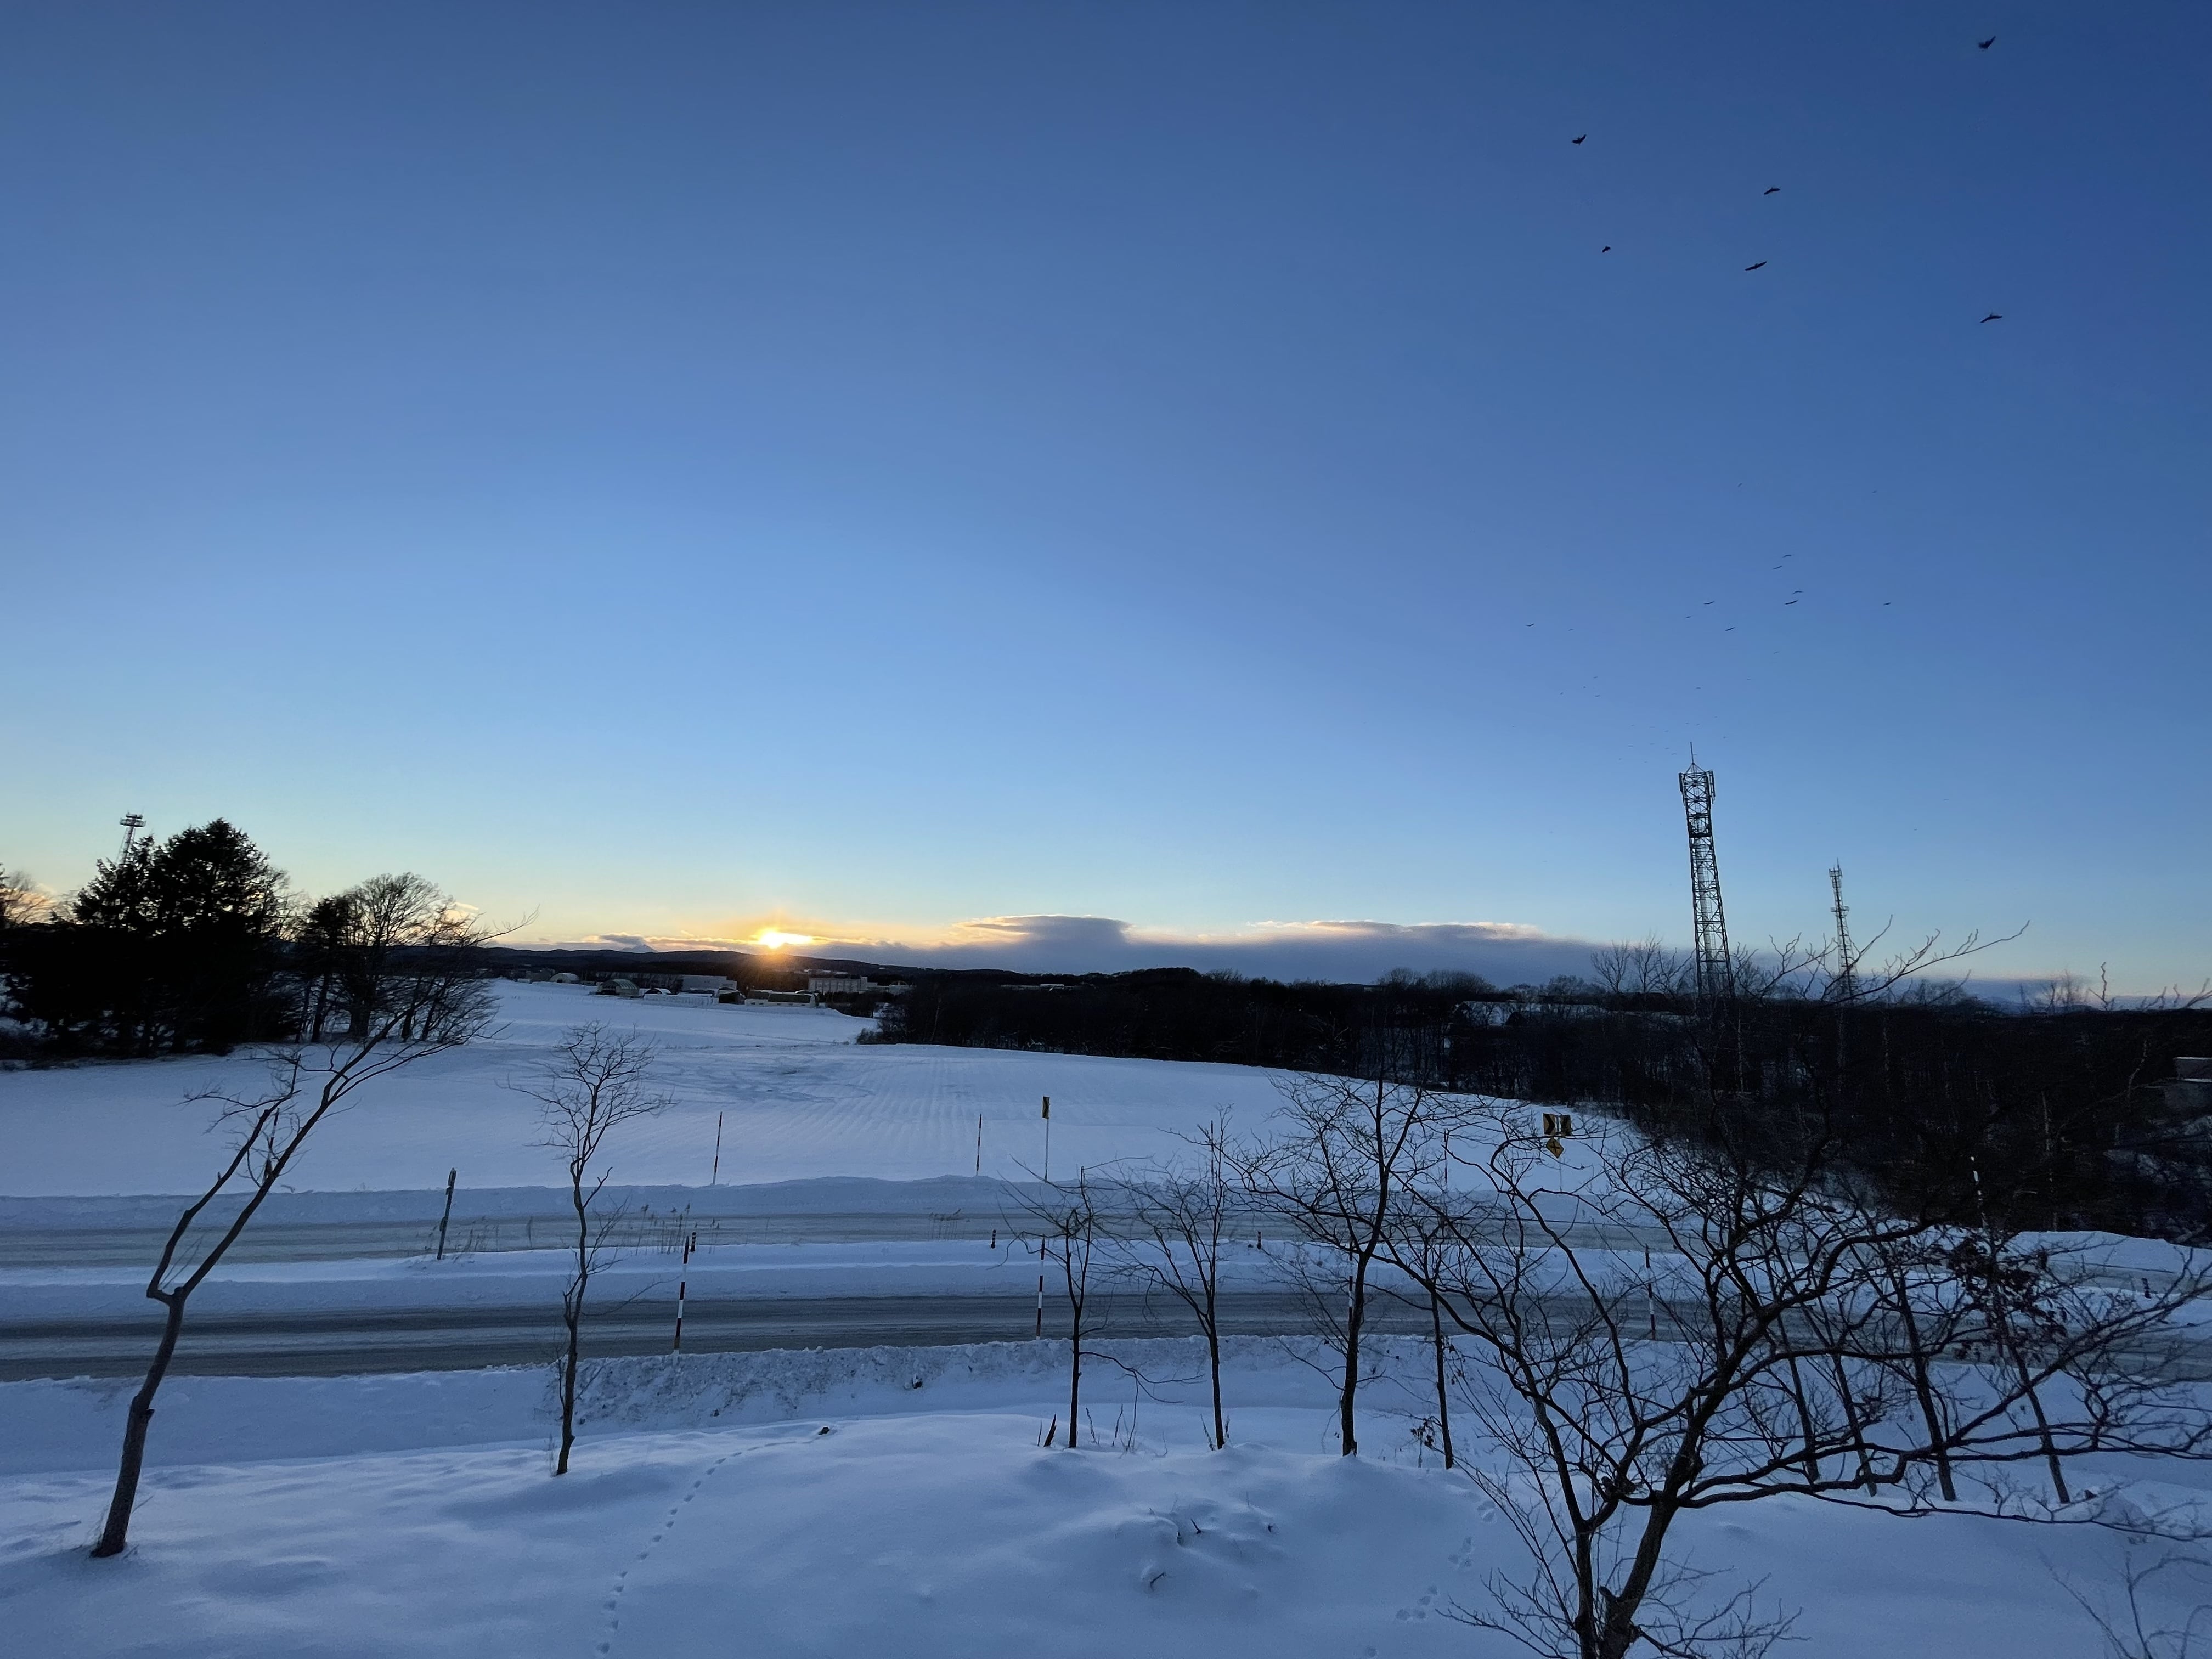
(691, 1241)
(717, 1173)
(979, 1142)
(1041, 1255)
(451, 1176)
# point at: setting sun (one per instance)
(774, 939)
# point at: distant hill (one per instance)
(746, 966)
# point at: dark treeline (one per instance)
(2067, 1113)
(195, 945)
(174, 945)
(1178, 1013)
(753, 972)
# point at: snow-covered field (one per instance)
(708, 1514)
(799, 1097)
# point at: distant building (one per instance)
(711, 985)
(2190, 1089)
(566, 979)
(839, 985)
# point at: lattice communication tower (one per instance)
(1846, 981)
(1716, 968)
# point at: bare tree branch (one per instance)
(416, 992)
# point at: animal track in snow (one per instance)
(612, 1606)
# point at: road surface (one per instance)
(303, 1344)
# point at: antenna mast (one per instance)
(1716, 968)
(132, 823)
(1846, 979)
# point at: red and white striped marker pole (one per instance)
(691, 1241)
(1041, 1256)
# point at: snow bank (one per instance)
(821, 1195)
(938, 1530)
(527, 1279)
(929, 1536)
(77, 1424)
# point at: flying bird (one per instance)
(1607, 248)
(1771, 189)
(1983, 45)
(1577, 140)
(1761, 263)
(1994, 317)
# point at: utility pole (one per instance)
(451, 1176)
(132, 823)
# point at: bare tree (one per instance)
(1754, 1351)
(1354, 1149)
(22, 900)
(2129, 1630)
(1423, 1242)
(423, 997)
(1641, 968)
(1181, 1217)
(1845, 970)
(1063, 1217)
(594, 1082)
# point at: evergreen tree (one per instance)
(171, 945)
(94, 980)
(219, 912)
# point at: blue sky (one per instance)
(677, 469)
